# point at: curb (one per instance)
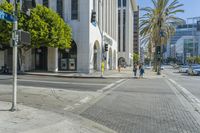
(86, 77)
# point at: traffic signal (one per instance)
(93, 17)
(158, 50)
(28, 4)
(106, 47)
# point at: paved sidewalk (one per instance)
(124, 73)
(31, 120)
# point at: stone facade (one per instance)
(87, 38)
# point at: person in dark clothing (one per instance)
(141, 68)
(135, 70)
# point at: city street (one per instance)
(165, 104)
(188, 82)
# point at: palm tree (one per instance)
(158, 24)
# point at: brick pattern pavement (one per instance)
(143, 106)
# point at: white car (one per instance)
(162, 67)
(147, 67)
(183, 69)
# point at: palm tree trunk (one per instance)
(155, 62)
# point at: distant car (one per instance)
(147, 67)
(196, 71)
(162, 67)
(184, 69)
(175, 66)
(192, 68)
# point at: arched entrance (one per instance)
(96, 56)
(121, 61)
(67, 58)
(110, 59)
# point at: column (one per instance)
(52, 59)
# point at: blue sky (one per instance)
(191, 7)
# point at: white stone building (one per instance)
(126, 10)
(87, 48)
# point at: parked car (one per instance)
(184, 69)
(192, 68)
(196, 71)
(4, 69)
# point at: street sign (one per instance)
(7, 16)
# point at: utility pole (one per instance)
(15, 42)
(102, 39)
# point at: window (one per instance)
(60, 7)
(119, 30)
(74, 9)
(124, 30)
(124, 3)
(46, 3)
(119, 3)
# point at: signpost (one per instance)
(11, 18)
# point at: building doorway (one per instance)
(122, 62)
(67, 58)
(41, 58)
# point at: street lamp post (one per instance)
(15, 42)
(102, 39)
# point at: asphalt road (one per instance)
(191, 83)
(59, 95)
(146, 106)
(151, 105)
(76, 84)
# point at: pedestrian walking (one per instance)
(141, 68)
(135, 70)
(102, 68)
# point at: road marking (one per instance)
(184, 101)
(85, 100)
(68, 108)
(110, 85)
(53, 82)
(121, 82)
(188, 95)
